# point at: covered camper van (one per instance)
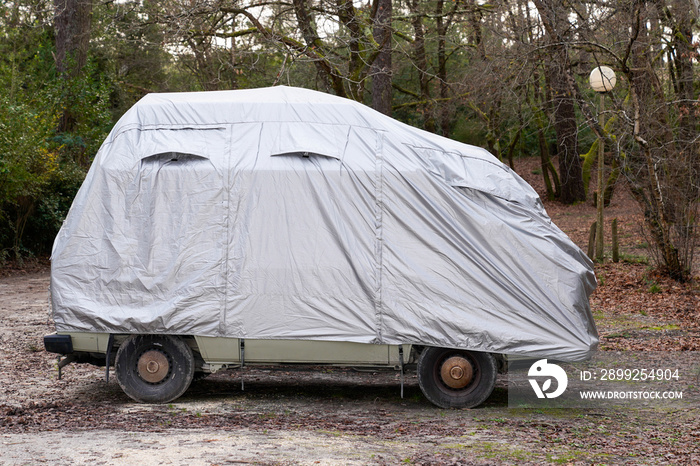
(284, 225)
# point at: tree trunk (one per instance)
(552, 185)
(331, 79)
(357, 69)
(566, 127)
(441, 26)
(657, 158)
(553, 15)
(381, 67)
(72, 21)
(419, 57)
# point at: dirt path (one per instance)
(198, 447)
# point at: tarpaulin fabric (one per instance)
(285, 213)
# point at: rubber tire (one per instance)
(175, 383)
(484, 369)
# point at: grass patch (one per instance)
(509, 453)
(654, 288)
(634, 259)
(663, 327)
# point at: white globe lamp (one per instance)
(602, 79)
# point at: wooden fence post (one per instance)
(591, 241)
(615, 245)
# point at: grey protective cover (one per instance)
(285, 213)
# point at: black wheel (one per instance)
(452, 378)
(154, 368)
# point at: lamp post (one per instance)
(602, 80)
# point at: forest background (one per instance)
(508, 75)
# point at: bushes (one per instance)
(36, 185)
(50, 209)
(41, 169)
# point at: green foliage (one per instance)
(469, 131)
(87, 98)
(52, 207)
(634, 259)
(41, 169)
(26, 164)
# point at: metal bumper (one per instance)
(60, 344)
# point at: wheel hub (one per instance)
(153, 366)
(456, 372)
